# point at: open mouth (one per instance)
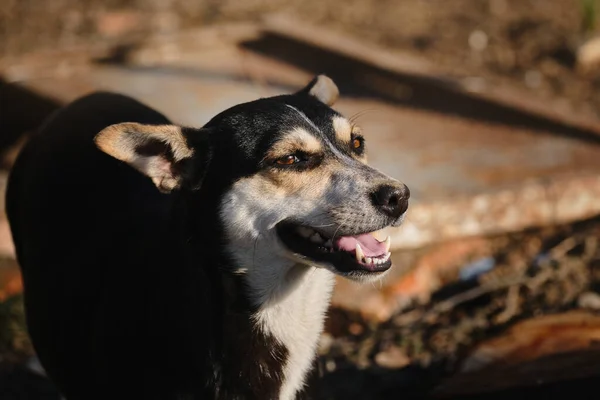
(361, 253)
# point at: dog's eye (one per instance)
(358, 144)
(287, 160)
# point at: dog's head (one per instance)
(291, 178)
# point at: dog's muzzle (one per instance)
(391, 200)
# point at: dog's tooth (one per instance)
(388, 243)
(304, 231)
(368, 260)
(328, 243)
(359, 253)
(387, 256)
(316, 238)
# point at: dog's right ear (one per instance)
(323, 88)
(161, 152)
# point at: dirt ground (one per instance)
(538, 273)
(531, 44)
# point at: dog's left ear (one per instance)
(161, 152)
(323, 88)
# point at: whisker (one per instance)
(359, 114)
(336, 231)
(323, 226)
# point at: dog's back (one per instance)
(73, 211)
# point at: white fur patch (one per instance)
(296, 319)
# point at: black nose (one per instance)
(392, 200)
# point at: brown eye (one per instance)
(287, 160)
(358, 144)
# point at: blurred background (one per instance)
(488, 109)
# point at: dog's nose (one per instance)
(392, 200)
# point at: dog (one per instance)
(169, 262)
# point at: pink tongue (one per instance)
(370, 246)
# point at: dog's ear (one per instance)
(323, 88)
(161, 152)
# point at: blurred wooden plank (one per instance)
(406, 64)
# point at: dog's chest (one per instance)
(296, 321)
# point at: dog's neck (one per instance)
(275, 311)
(293, 312)
(285, 323)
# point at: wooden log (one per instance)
(535, 356)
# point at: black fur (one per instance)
(158, 316)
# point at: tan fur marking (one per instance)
(296, 140)
(310, 184)
(342, 128)
(122, 141)
(114, 140)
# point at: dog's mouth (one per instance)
(361, 253)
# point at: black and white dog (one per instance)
(214, 286)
